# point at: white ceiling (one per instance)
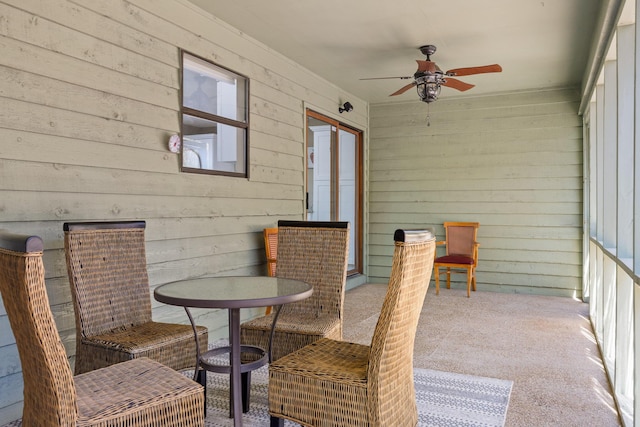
(539, 44)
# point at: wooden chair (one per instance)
(271, 251)
(140, 392)
(107, 267)
(461, 253)
(337, 383)
(317, 253)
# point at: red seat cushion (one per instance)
(454, 259)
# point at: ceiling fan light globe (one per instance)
(428, 91)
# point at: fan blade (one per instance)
(403, 89)
(495, 68)
(457, 84)
(426, 66)
(381, 78)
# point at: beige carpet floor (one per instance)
(545, 345)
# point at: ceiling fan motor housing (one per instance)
(428, 50)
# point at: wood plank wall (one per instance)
(90, 96)
(512, 162)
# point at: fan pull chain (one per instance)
(428, 118)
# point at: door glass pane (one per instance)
(319, 171)
(347, 188)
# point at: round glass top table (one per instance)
(232, 293)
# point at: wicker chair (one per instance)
(315, 252)
(271, 251)
(140, 392)
(337, 383)
(107, 268)
(462, 253)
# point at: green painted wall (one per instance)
(90, 96)
(512, 162)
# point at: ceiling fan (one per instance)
(429, 78)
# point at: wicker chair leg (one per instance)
(246, 388)
(277, 422)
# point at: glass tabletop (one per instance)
(233, 292)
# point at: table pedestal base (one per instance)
(245, 370)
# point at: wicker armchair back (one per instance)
(316, 253)
(49, 391)
(390, 367)
(108, 270)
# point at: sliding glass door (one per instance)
(334, 178)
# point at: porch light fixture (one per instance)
(345, 107)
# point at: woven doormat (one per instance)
(450, 399)
(443, 399)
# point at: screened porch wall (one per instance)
(612, 264)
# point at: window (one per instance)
(215, 118)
